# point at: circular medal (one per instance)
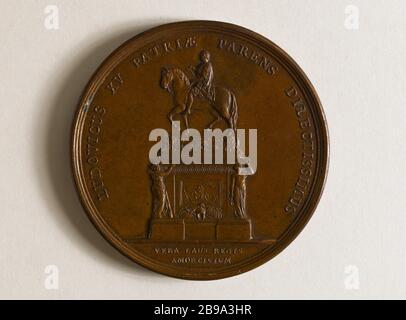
(200, 149)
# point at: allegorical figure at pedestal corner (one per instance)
(161, 206)
(239, 194)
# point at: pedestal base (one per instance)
(180, 229)
(167, 229)
(200, 230)
(238, 229)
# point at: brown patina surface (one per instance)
(199, 221)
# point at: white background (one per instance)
(358, 74)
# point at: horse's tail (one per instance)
(233, 112)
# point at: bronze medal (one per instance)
(200, 149)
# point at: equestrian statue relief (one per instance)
(222, 101)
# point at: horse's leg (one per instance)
(217, 116)
(178, 110)
(186, 121)
(175, 111)
(189, 103)
(230, 123)
(171, 114)
(221, 106)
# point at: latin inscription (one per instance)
(163, 48)
(308, 150)
(199, 255)
(264, 62)
(93, 153)
(115, 84)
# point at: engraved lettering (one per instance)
(307, 138)
(93, 153)
(167, 47)
(198, 255)
(115, 83)
(263, 61)
(244, 51)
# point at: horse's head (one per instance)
(166, 78)
(173, 77)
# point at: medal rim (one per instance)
(314, 105)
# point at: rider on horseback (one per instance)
(201, 86)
